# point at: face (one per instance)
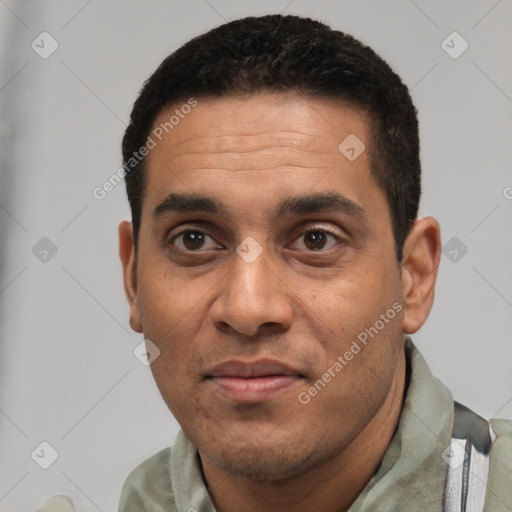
(274, 255)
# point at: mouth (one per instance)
(252, 382)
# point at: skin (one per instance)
(302, 301)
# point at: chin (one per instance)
(267, 461)
(258, 466)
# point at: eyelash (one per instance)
(310, 230)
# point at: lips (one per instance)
(252, 382)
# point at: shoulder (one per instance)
(499, 489)
(148, 486)
(502, 429)
(469, 425)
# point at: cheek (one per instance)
(171, 316)
(351, 302)
(361, 348)
(361, 308)
(164, 300)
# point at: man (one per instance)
(276, 266)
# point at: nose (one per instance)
(253, 298)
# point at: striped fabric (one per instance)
(468, 461)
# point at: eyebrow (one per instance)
(294, 205)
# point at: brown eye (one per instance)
(315, 240)
(318, 239)
(191, 240)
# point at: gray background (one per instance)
(68, 375)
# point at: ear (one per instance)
(127, 255)
(421, 256)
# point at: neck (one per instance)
(332, 487)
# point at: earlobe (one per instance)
(127, 256)
(422, 253)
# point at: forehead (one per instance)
(280, 145)
(310, 124)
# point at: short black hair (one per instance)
(277, 53)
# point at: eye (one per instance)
(191, 240)
(317, 239)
